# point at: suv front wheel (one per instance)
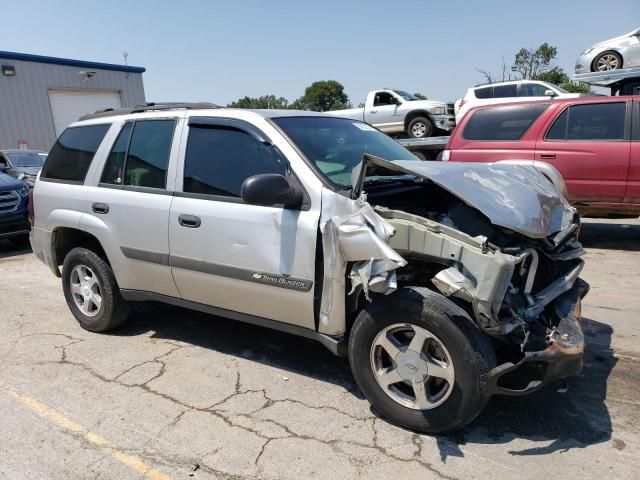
(91, 291)
(420, 360)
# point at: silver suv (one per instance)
(443, 283)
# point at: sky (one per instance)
(218, 51)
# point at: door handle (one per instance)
(547, 156)
(189, 221)
(373, 111)
(101, 208)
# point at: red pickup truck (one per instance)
(594, 142)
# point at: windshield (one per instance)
(26, 159)
(336, 145)
(407, 96)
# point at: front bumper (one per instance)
(562, 358)
(14, 225)
(583, 63)
(444, 122)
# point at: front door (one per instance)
(589, 145)
(255, 260)
(384, 114)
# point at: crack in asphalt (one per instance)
(334, 444)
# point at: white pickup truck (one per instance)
(398, 112)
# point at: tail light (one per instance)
(30, 207)
(446, 155)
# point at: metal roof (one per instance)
(27, 57)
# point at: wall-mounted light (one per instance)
(8, 70)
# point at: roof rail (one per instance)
(149, 107)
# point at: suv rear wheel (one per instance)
(420, 360)
(91, 291)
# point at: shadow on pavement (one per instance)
(557, 421)
(269, 347)
(615, 236)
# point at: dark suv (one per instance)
(14, 224)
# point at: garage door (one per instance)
(69, 105)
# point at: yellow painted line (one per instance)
(65, 423)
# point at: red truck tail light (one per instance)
(30, 207)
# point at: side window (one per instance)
(382, 98)
(502, 123)
(558, 130)
(218, 160)
(114, 169)
(73, 152)
(532, 90)
(486, 92)
(505, 91)
(140, 155)
(597, 121)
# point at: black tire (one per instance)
(471, 352)
(427, 131)
(594, 64)
(420, 155)
(114, 310)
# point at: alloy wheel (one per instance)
(608, 62)
(418, 129)
(86, 290)
(412, 366)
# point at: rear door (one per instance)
(632, 194)
(589, 143)
(256, 260)
(127, 208)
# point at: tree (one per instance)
(420, 96)
(491, 78)
(536, 65)
(322, 96)
(530, 63)
(557, 76)
(266, 101)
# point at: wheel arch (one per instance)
(64, 239)
(608, 50)
(417, 113)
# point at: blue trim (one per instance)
(69, 62)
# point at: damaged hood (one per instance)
(516, 197)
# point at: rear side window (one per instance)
(219, 160)
(503, 123)
(73, 152)
(597, 121)
(532, 90)
(486, 92)
(140, 155)
(505, 91)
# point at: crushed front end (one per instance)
(502, 243)
(525, 293)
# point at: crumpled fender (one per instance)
(352, 232)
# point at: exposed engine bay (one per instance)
(520, 289)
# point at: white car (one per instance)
(505, 92)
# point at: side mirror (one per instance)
(550, 93)
(395, 100)
(269, 189)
